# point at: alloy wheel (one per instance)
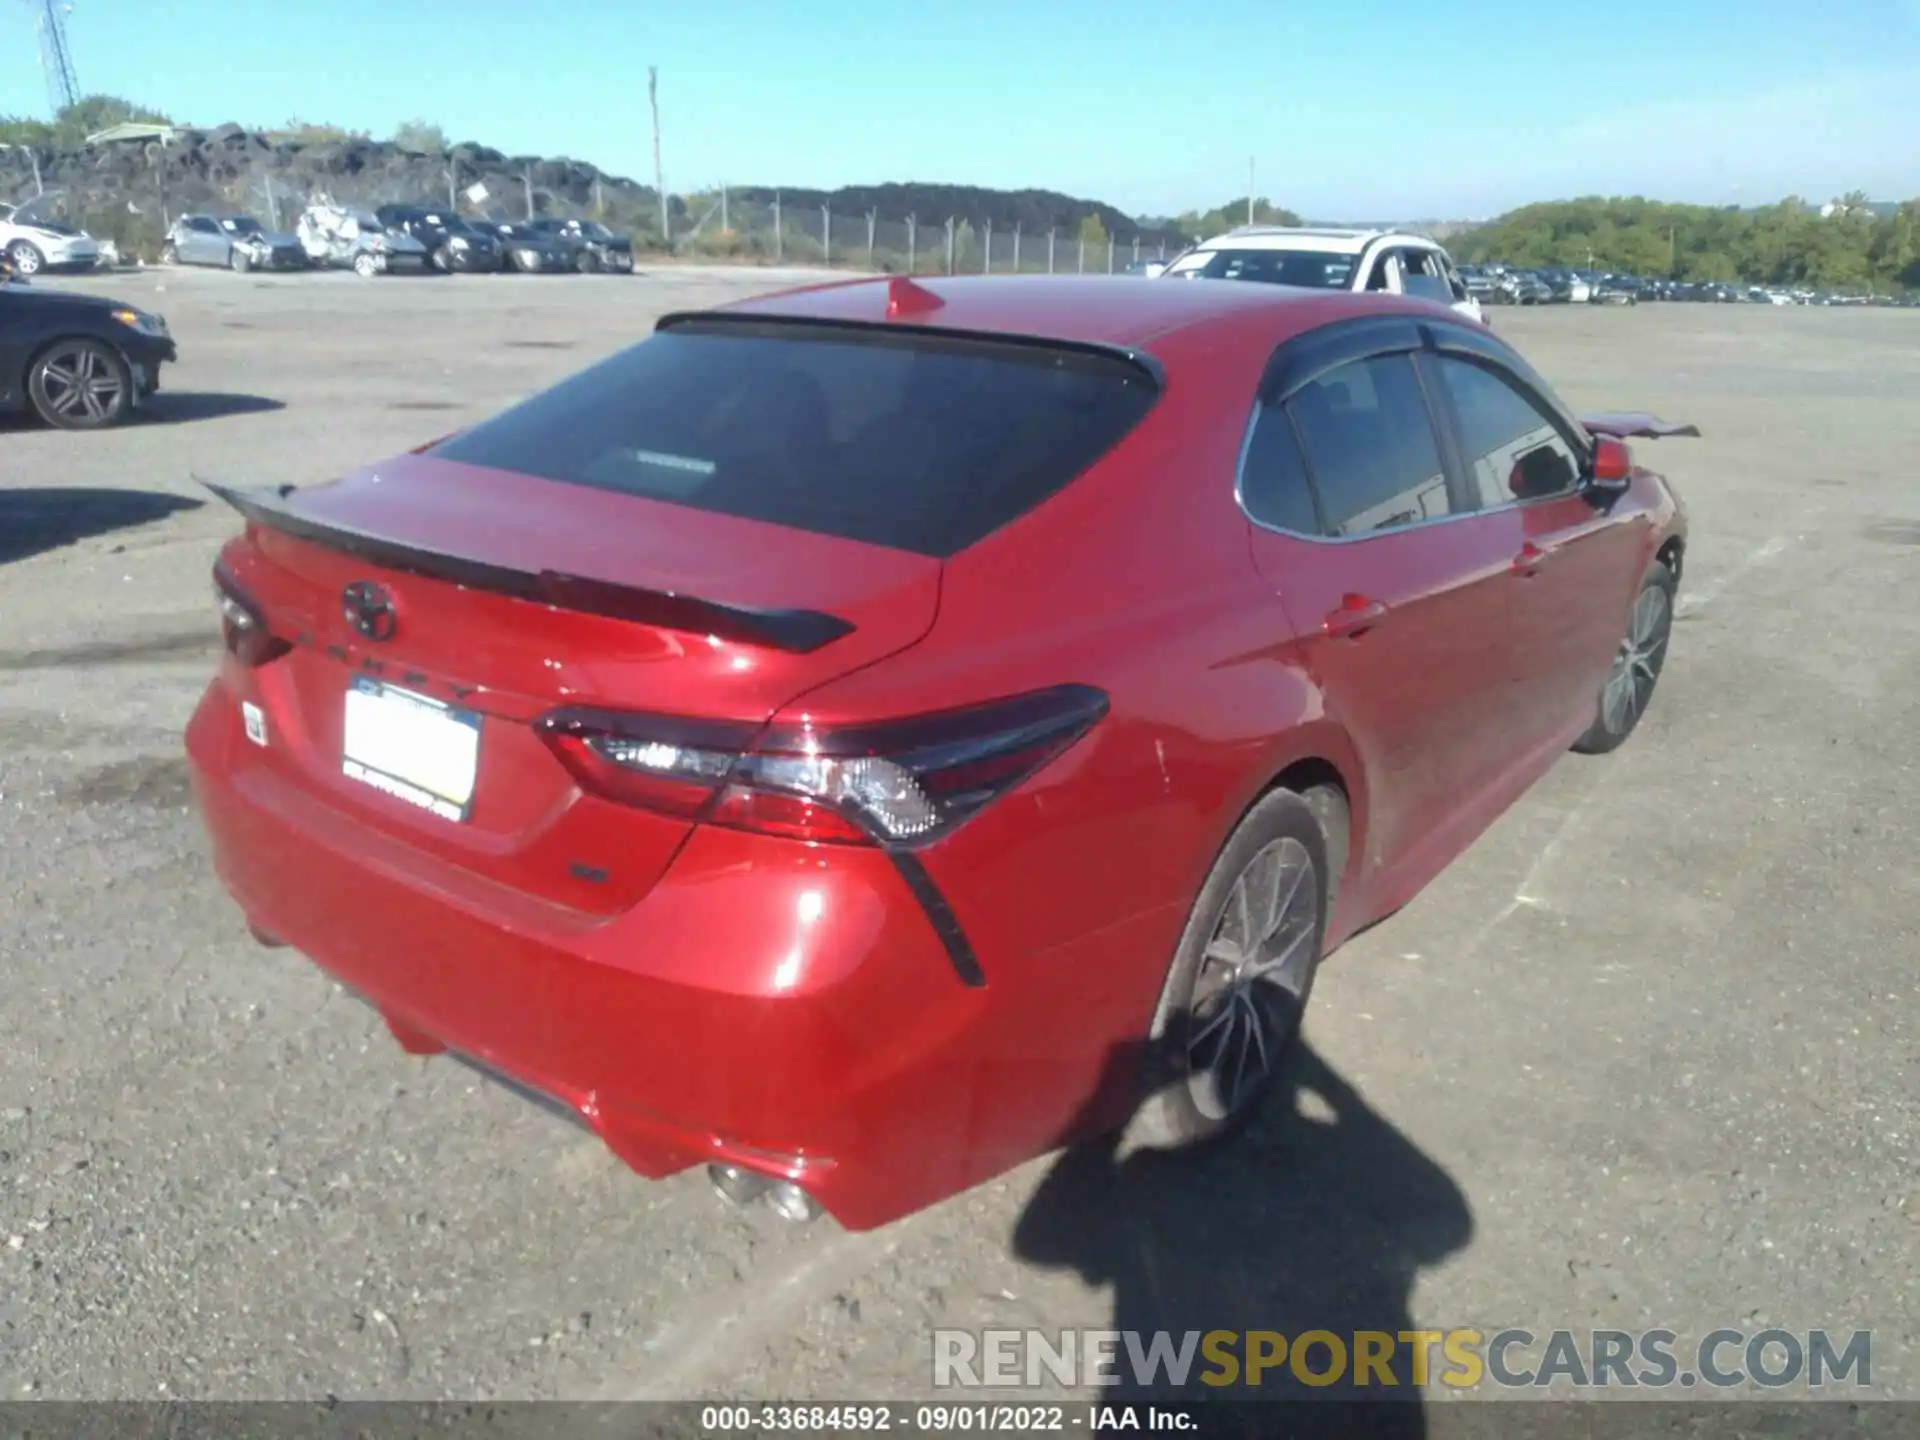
(81, 383)
(1250, 989)
(26, 258)
(1636, 665)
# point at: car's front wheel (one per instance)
(240, 260)
(1636, 665)
(27, 259)
(1238, 986)
(365, 265)
(80, 384)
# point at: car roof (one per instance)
(1107, 310)
(1307, 237)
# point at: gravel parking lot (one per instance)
(1648, 1055)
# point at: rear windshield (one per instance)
(1310, 269)
(913, 442)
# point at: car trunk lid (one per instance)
(484, 600)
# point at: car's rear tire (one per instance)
(169, 255)
(586, 262)
(1238, 986)
(1636, 665)
(365, 266)
(80, 384)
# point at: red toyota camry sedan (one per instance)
(819, 740)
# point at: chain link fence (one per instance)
(722, 227)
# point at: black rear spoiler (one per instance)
(796, 631)
(1635, 426)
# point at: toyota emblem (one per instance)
(369, 610)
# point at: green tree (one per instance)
(25, 130)
(69, 129)
(422, 136)
(95, 113)
(1203, 224)
(308, 132)
(1093, 234)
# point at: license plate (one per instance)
(413, 747)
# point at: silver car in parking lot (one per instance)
(235, 242)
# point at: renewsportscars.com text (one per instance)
(1460, 1359)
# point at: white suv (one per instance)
(1382, 260)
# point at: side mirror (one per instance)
(1612, 467)
(1541, 472)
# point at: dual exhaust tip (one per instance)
(743, 1187)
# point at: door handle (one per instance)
(1530, 559)
(1355, 615)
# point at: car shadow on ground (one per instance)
(1320, 1216)
(33, 519)
(175, 407)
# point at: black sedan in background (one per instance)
(79, 362)
(527, 249)
(452, 243)
(1619, 290)
(600, 248)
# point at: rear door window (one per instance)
(913, 442)
(1422, 277)
(1514, 450)
(1273, 477)
(1369, 440)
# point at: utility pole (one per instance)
(659, 182)
(56, 58)
(779, 237)
(723, 207)
(1250, 189)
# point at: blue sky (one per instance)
(1350, 110)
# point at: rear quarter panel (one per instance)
(1136, 578)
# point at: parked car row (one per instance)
(1498, 284)
(399, 239)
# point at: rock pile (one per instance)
(127, 190)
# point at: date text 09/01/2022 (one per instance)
(940, 1419)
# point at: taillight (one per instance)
(243, 624)
(900, 783)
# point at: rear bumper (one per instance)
(779, 1007)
